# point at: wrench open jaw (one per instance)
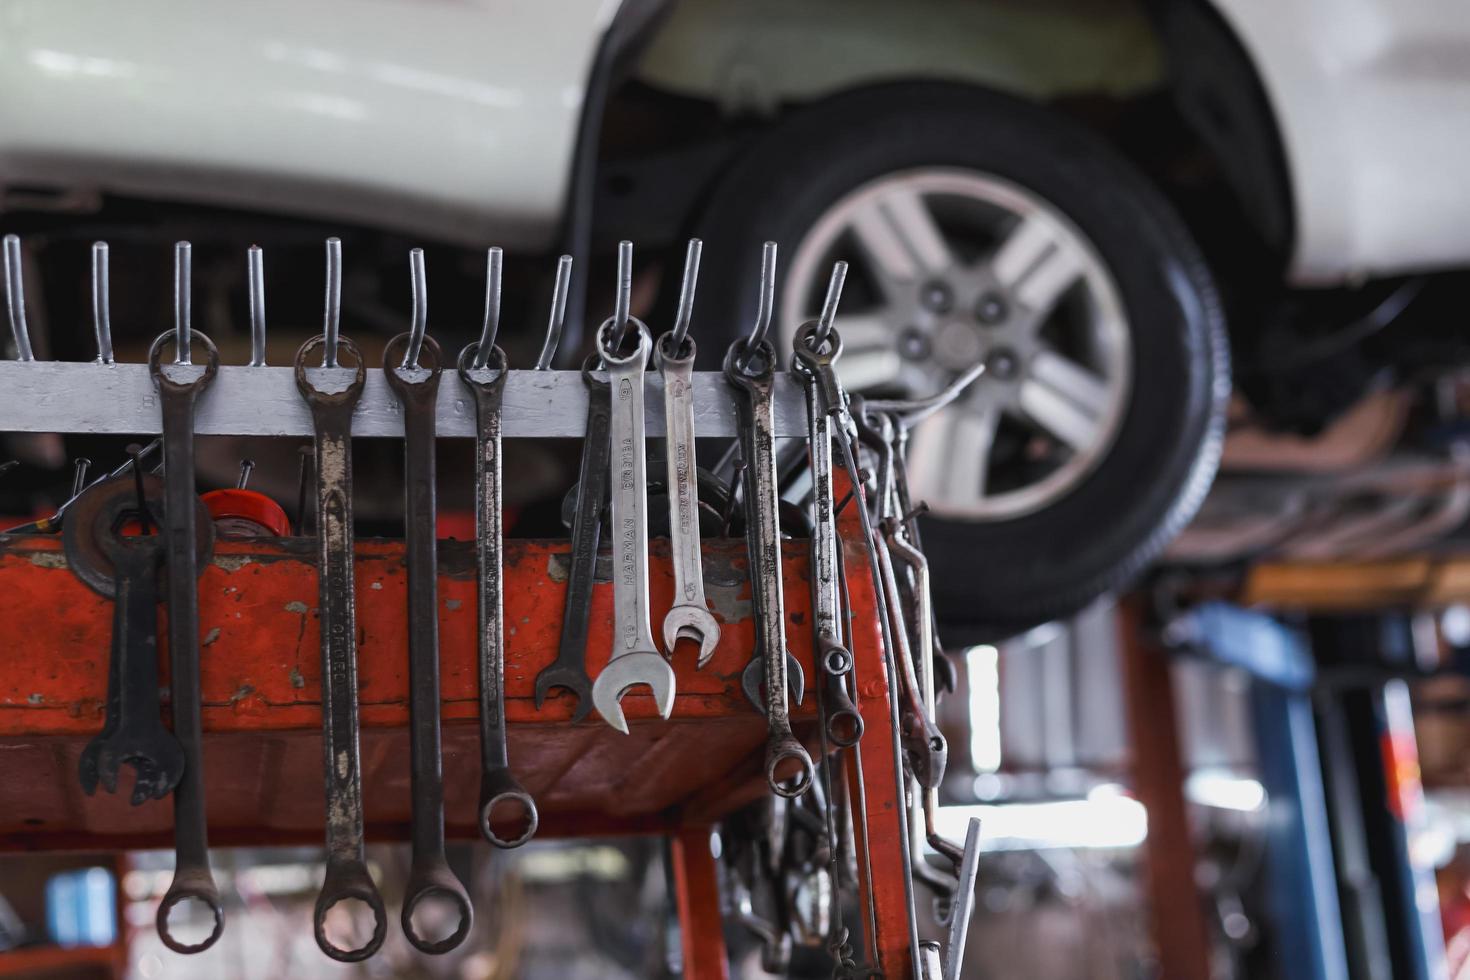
(635, 658)
(696, 624)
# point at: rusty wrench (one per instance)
(635, 658)
(499, 789)
(332, 402)
(844, 724)
(416, 389)
(750, 368)
(179, 385)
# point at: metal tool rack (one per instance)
(261, 665)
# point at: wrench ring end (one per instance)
(845, 728)
(501, 792)
(202, 888)
(362, 890)
(435, 885)
(155, 363)
(782, 752)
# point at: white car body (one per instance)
(438, 118)
(458, 119)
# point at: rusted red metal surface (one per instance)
(697, 895)
(260, 666)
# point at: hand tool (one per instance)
(959, 916)
(752, 680)
(569, 670)
(690, 618)
(750, 368)
(133, 731)
(179, 386)
(416, 388)
(332, 402)
(635, 658)
(844, 724)
(503, 801)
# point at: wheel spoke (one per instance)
(949, 455)
(1065, 398)
(898, 234)
(863, 368)
(1034, 266)
(866, 330)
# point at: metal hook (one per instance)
(15, 299)
(101, 303)
(558, 315)
(829, 305)
(247, 466)
(767, 297)
(79, 475)
(906, 413)
(623, 301)
(332, 314)
(419, 326)
(183, 292)
(686, 292)
(255, 276)
(493, 261)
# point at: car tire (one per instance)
(1001, 576)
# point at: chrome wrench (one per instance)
(503, 800)
(332, 403)
(689, 618)
(750, 368)
(635, 657)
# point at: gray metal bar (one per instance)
(67, 396)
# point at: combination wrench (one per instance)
(416, 389)
(689, 618)
(569, 670)
(332, 403)
(635, 658)
(750, 368)
(844, 724)
(133, 731)
(179, 386)
(503, 800)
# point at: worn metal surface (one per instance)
(62, 396)
(261, 672)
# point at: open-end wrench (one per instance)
(332, 394)
(179, 385)
(503, 801)
(751, 369)
(133, 731)
(635, 657)
(689, 618)
(569, 670)
(429, 876)
(844, 724)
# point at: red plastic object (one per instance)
(246, 514)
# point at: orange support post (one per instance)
(697, 892)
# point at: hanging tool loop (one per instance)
(557, 319)
(332, 312)
(101, 303)
(491, 326)
(183, 300)
(15, 300)
(686, 298)
(419, 326)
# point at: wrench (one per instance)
(429, 876)
(499, 788)
(569, 670)
(751, 369)
(179, 385)
(690, 618)
(332, 404)
(635, 658)
(843, 722)
(133, 731)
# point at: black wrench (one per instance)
(179, 386)
(347, 875)
(569, 670)
(417, 389)
(499, 788)
(751, 369)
